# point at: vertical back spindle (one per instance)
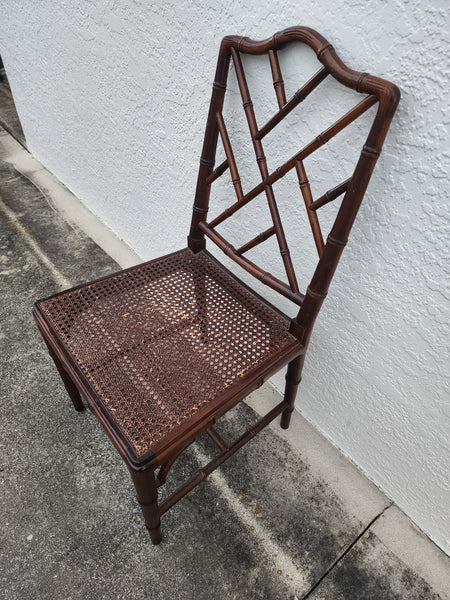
(277, 77)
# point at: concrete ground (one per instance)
(287, 517)
(9, 119)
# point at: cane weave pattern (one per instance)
(160, 341)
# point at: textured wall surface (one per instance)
(113, 97)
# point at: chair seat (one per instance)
(157, 343)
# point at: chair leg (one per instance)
(71, 388)
(293, 378)
(147, 496)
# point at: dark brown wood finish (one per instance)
(147, 496)
(195, 274)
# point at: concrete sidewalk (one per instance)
(287, 517)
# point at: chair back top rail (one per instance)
(376, 91)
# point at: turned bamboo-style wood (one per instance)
(306, 151)
(199, 280)
(217, 172)
(147, 496)
(293, 379)
(288, 107)
(307, 197)
(250, 267)
(278, 82)
(205, 471)
(330, 195)
(196, 239)
(235, 179)
(261, 237)
(262, 164)
(217, 439)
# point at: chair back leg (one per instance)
(293, 378)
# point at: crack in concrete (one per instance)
(344, 553)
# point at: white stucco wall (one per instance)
(113, 97)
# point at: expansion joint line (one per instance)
(344, 553)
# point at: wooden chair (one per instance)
(162, 350)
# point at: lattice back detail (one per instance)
(353, 188)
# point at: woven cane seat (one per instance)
(159, 341)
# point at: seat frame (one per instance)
(143, 469)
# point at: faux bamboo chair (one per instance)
(162, 350)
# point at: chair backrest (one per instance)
(375, 91)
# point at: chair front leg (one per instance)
(71, 388)
(147, 496)
(293, 378)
